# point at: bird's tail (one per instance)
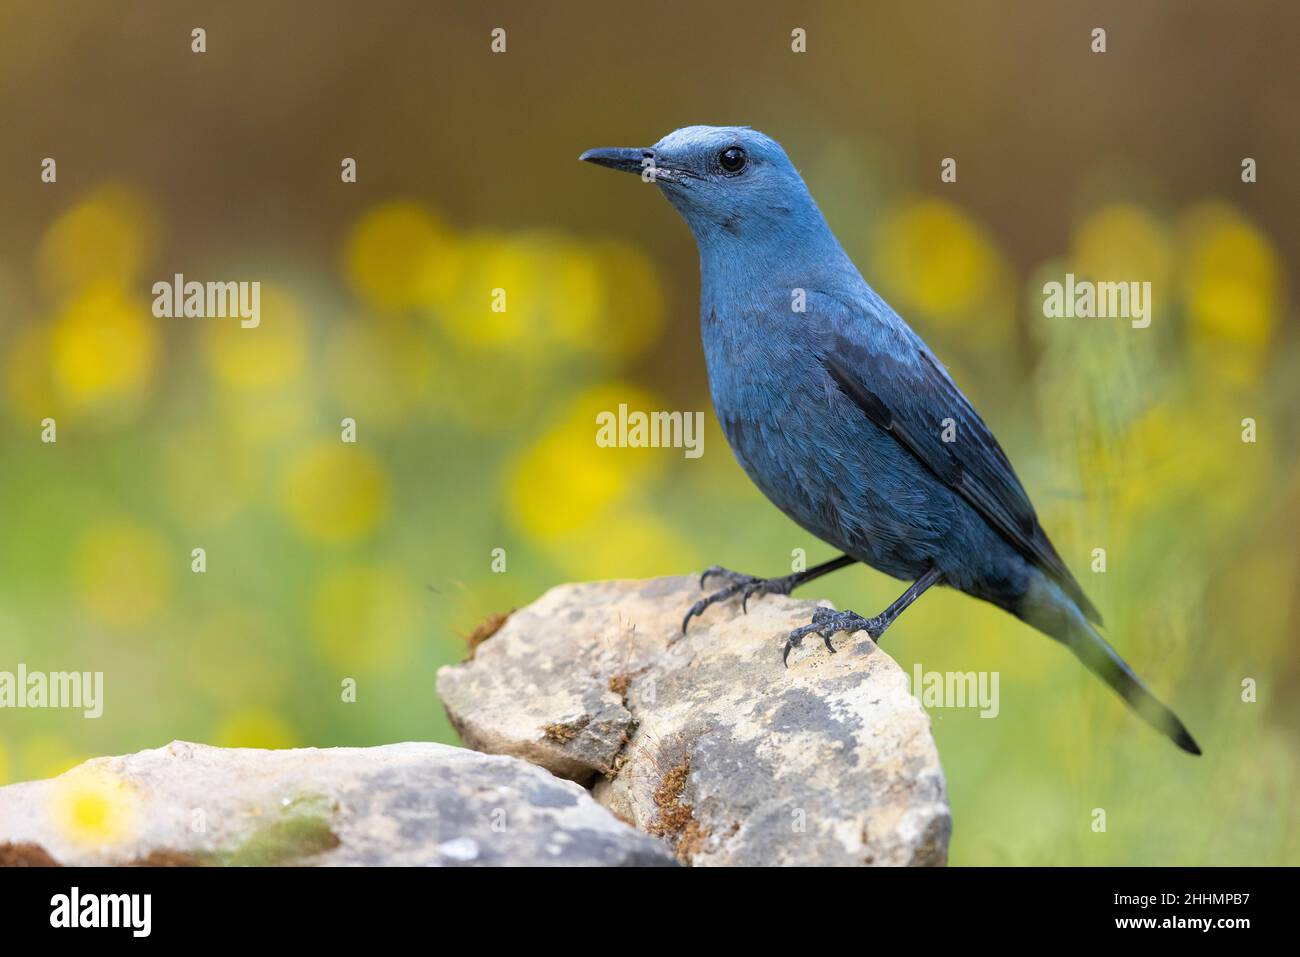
(1051, 611)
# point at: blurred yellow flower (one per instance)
(269, 355)
(4, 764)
(564, 481)
(103, 350)
(335, 492)
(561, 297)
(398, 254)
(94, 808)
(1122, 242)
(931, 257)
(254, 728)
(489, 262)
(1168, 464)
(626, 544)
(363, 616)
(568, 292)
(631, 315)
(1232, 281)
(107, 238)
(122, 573)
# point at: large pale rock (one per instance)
(708, 740)
(401, 804)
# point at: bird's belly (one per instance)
(831, 470)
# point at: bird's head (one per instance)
(726, 181)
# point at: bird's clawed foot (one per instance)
(827, 622)
(746, 586)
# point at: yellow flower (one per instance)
(512, 265)
(397, 253)
(103, 350)
(933, 258)
(560, 296)
(254, 728)
(335, 492)
(364, 616)
(564, 481)
(1232, 282)
(92, 807)
(626, 544)
(105, 239)
(268, 355)
(1122, 242)
(568, 292)
(631, 314)
(123, 572)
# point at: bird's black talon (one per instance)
(828, 622)
(736, 578)
(791, 642)
(720, 595)
(695, 610)
(747, 586)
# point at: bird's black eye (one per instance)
(732, 159)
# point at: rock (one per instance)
(401, 804)
(708, 741)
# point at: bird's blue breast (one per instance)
(810, 450)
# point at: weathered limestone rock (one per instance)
(401, 804)
(708, 740)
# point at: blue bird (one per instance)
(846, 420)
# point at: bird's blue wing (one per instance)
(891, 375)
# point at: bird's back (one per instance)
(836, 409)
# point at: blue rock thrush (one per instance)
(845, 419)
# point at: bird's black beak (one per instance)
(627, 160)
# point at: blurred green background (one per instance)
(476, 429)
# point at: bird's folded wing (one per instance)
(904, 390)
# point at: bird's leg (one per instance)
(827, 622)
(749, 585)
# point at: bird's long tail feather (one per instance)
(1051, 611)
